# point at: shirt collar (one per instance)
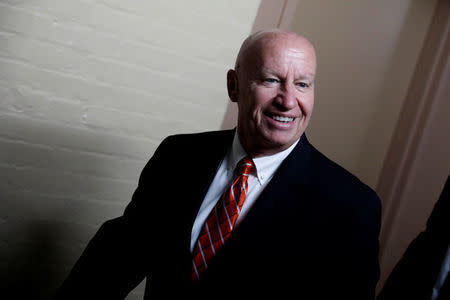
(265, 166)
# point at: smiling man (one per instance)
(273, 85)
(251, 213)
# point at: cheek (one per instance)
(256, 100)
(262, 99)
(310, 107)
(263, 96)
(307, 105)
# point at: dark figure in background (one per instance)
(423, 271)
(307, 229)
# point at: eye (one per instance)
(302, 84)
(270, 80)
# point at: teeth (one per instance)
(282, 119)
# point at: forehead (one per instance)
(282, 54)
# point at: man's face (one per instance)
(275, 94)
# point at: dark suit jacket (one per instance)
(416, 273)
(312, 234)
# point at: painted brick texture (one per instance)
(88, 89)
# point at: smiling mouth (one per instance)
(281, 118)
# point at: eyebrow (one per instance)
(307, 76)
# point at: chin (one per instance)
(282, 139)
(280, 143)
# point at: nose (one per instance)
(287, 97)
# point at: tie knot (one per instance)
(245, 166)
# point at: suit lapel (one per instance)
(206, 161)
(204, 164)
(291, 176)
(260, 229)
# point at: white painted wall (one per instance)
(88, 89)
(367, 52)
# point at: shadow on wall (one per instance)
(54, 195)
(33, 269)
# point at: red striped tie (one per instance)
(221, 220)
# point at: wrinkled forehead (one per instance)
(273, 51)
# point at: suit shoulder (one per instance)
(346, 193)
(198, 138)
(184, 149)
(333, 177)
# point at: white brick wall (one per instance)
(88, 89)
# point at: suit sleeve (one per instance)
(416, 272)
(371, 273)
(365, 241)
(114, 261)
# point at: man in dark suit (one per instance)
(300, 226)
(423, 271)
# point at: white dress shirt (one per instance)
(260, 176)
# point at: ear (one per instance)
(232, 85)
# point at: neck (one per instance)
(259, 149)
